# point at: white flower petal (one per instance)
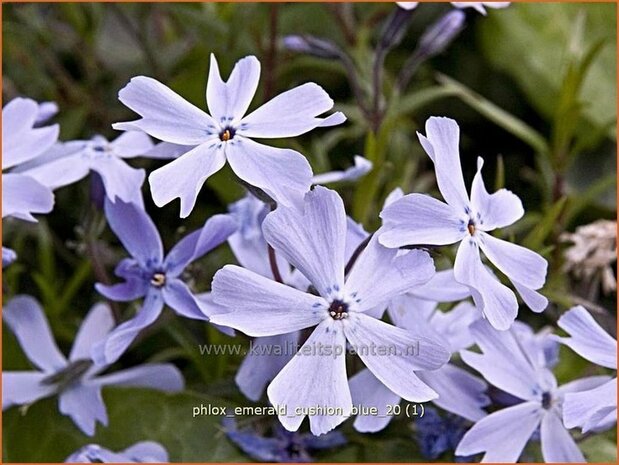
(26, 319)
(497, 302)
(312, 240)
(459, 392)
(502, 435)
(260, 306)
(420, 219)
(315, 378)
(516, 262)
(165, 114)
(289, 114)
(184, 177)
(393, 354)
(284, 174)
(368, 391)
(557, 443)
(495, 210)
(441, 144)
(588, 339)
(379, 274)
(98, 323)
(228, 101)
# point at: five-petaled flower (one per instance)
(421, 219)
(75, 380)
(515, 363)
(69, 162)
(313, 241)
(459, 392)
(23, 141)
(227, 132)
(150, 275)
(595, 408)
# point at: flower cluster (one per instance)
(376, 320)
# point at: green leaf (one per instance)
(533, 43)
(535, 239)
(600, 448)
(42, 434)
(496, 114)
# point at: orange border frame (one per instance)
(271, 1)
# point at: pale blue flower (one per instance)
(140, 452)
(269, 354)
(75, 379)
(22, 141)
(69, 162)
(150, 275)
(513, 362)
(597, 408)
(459, 392)
(313, 241)
(227, 132)
(421, 219)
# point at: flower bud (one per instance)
(438, 36)
(311, 45)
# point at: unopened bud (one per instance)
(440, 34)
(394, 28)
(311, 45)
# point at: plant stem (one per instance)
(273, 262)
(355, 255)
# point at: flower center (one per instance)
(546, 400)
(227, 134)
(100, 149)
(471, 227)
(158, 279)
(338, 310)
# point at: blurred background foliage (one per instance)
(533, 88)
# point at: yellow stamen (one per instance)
(226, 135)
(471, 228)
(158, 279)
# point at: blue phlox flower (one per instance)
(594, 409)
(459, 392)
(421, 219)
(506, 363)
(151, 275)
(227, 133)
(313, 241)
(22, 142)
(282, 445)
(68, 162)
(140, 452)
(269, 355)
(76, 380)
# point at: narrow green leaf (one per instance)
(497, 115)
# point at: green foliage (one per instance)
(539, 45)
(134, 415)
